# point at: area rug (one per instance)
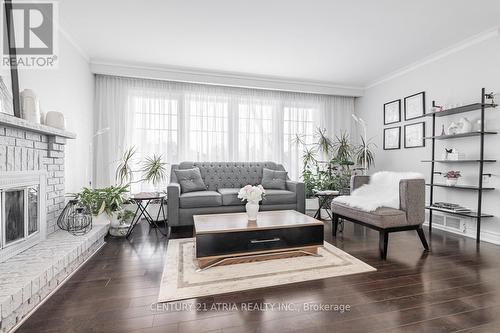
(181, 280)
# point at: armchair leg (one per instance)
(421, 234)
(382, 244)
(335, 224)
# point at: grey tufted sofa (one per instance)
(223, 181)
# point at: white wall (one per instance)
(456, 78)
(70, 90)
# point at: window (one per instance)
(298, 122)
(207, 129)
(255, 132)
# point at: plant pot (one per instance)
(252, 209)
(102, 218)
(312, 204)
(118, 228)
(451, 181)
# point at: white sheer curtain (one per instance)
(194, 122)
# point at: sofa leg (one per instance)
(421, 234)
(382, 244)
(335, 224)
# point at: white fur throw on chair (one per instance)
(381, 191)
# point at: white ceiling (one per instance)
(349, 42)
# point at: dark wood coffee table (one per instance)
(223, 239)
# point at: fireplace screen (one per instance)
(14, 215)
(20, 216)
(32, 210)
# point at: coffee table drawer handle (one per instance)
(256, 241)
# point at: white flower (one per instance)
(251, 193)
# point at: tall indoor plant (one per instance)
(328, 163)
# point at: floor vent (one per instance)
(438, 219)
(453, 222)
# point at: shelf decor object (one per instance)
(392, 112)
(392, 138)
(415, 106)
(480, 133)
(414, 135)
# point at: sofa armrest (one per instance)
(412, 200)
(358, 181)
(173, 193)
(300, 192)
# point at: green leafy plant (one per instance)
(125, 215)
(103, 200)
(327, 164)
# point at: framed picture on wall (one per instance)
(392, 138)
(392, 112)
(415, 106)
(9, 82)
(414, 135)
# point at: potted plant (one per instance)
(452, 177)
(151, 170)
(329, 163)
(104, 203)
(121, 225)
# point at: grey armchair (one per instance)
(409, 216)
(223, 181)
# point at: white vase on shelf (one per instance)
(464, 125)
(30, 106)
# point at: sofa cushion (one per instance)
(230, 197)
(190, 180)
(273, 179)
(382, 217)
(200, 199)
(278, 197)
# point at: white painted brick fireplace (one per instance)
(32, 155)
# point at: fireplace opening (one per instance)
(19, 214)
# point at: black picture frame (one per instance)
(398, 101)
(16, 103)
(418, 97)
(399, 137)
(419, 145)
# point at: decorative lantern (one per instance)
(75, 218)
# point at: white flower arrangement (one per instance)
(252, 194)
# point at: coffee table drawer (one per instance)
(217, 244)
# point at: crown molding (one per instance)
(192, 75)
(443, 53)
(75, 45)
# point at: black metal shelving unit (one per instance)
(478, 214)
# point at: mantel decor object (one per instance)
(55, 119)
(30, 106)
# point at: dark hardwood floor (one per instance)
(455, 288)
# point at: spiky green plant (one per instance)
(154, 169)
(324, 144)
(360, 153)
(124, 172)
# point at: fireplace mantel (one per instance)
(11, 121)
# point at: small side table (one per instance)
(324, 203)
(143, 200)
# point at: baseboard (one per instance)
(486, 236)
